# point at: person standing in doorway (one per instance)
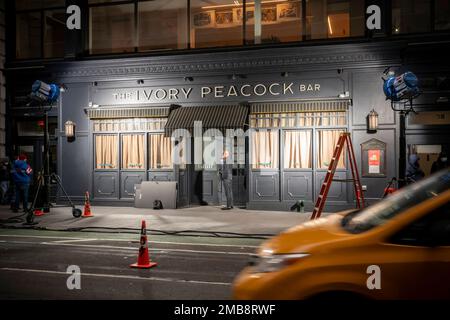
(21, 175)
(413, 171)
(226, 176)
(4, 180)
(441, 163)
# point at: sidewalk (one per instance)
(201, 219)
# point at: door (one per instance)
(206, 186)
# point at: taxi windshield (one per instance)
(379, 213)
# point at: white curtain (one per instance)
(327, 143)
(133, 153)
(265, 152)
(160, 151)
(106, 152)
(297, 149)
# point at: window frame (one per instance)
(149, 168)
(41, 11)
(94, 163)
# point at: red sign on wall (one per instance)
(374, 161)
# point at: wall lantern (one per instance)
(372, 121)
(70, 130)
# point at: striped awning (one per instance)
(212, 117)
(300, 106)
(121, 112)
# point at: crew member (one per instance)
(21, 175)
(226, 176)
(441, 163)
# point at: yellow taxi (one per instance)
(398, 248)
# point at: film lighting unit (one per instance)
(401, 90)
(45, 96)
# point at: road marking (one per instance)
(128, 240)
(129, 248)
(37, 237)
(102, 275)
(151, 249)
(71, 240)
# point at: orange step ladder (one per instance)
(344, 138)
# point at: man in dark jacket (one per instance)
(441, 163)
(4, 180)
(413, 171)
(226, 175)
(21, 173)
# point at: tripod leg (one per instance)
(30, 214)
(58, 180)
(36, 194)
(75, 212)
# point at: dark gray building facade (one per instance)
(297, 99)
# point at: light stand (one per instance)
(403, 112)
(401, 90)
(44, 177)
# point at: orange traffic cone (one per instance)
(87, 207)
(38, 212)
(143, 257)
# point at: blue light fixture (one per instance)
(403, 87)
(45, 93)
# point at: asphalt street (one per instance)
(33, 265)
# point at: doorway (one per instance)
(206, 188)
(428, 154)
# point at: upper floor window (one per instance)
(216, 23)
(335, 19)
(162, 25)
(442, 15)
(40, 27)
(411, 16)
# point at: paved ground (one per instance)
(199, 252)
(205, 219)
(33, 265)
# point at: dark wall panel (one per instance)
(376, 185)
(106, 185)
(265, 186)
(161, 176)
(73, 102)
(74, 165)
(368, 95)
(127, 182)
(297, 186)
(338, 190)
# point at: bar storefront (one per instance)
(292, 104)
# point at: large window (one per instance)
(160, 151)
(297, 149)
(106, 152)
(28, 35)
(412, 16)
(335, 19)
(140, 145)
(133, 151)
(265, 148)
(442, 15)
(327, 141)
(112, 29)
(216, 23)
(54, 28)
(162, 15)
(298, 130)
(40, 27)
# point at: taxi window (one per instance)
(381, 212)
